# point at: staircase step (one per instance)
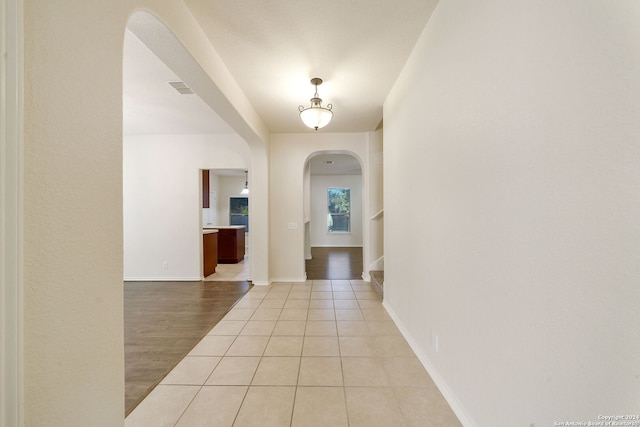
(377, 281)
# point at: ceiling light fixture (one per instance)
(245, 190)
(316, 116)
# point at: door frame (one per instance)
(11, 207)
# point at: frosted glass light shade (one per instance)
(316, 117)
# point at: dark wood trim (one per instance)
(205, 189)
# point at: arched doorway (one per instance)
(334, 216)
(172, 131)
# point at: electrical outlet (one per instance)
(165, 265)
(435, 341)
(292, 226)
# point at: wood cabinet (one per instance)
(210, 251)
(205, 189)
(230, 244)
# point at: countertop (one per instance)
(204, 231)
(222, 227)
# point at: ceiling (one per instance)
(334, 164)
(152, 106)
(272, 49)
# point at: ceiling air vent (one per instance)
(182, 88)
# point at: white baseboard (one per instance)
(447, 393)
(289, 279)
(162, 279)
(261, 283)
(336, 246)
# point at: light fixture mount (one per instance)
(316, 116)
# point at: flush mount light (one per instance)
(316, 116)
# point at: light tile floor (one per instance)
(319, 353)
(231, 272)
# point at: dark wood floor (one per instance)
(163, 321)
(334, 263)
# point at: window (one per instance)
(339, 210)
(239, 212)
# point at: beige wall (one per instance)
(199, 65)
(73, 330)
(162, 200)
(11, 179)
(513, 132)
(289, 154)
(375, 255)
(72, 213)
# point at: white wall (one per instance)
(306, 209)
(375, 257)
(162, 200)
(514, 133)
(318, 225)
(288, 157)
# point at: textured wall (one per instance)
(73, 245)
(73, 361)
(514, 129)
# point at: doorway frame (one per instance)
(306, 195)
(11, 196)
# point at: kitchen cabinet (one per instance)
(230, 243)
(210, 251)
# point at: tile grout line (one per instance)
(235, 418)
(304, 337)
(214, 368)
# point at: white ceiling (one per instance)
(227, 172)
(152, 106)
(335, 164)
(273, 48)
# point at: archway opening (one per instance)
(333, 212)
(170, 135)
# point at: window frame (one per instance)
(330, 215)
(246, 215)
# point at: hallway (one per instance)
(318, 353)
